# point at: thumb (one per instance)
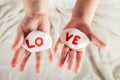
(18, 40)
(93, 38)
(57, 45)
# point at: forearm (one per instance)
(35, 6)
(85, 9)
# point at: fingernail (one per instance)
(76, 71)
(38, 71)
(60, 64)
(55, 51)
(13, 48)
(21, 69)
(106, 47)
(69, 68)
(51, 60)
(13, 65)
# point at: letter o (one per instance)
(40, 43)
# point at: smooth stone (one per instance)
(74, 38)
(37, 41)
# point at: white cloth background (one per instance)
(98, 64)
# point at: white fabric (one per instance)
(98, 64)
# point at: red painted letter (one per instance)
(28, 44)
(68, 36)
(76, 39)
(40, 43)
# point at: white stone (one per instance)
(68, 38)
(34, 41)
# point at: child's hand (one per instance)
(85, 28)
(29, 23)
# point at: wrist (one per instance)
(80, 19)
(37, 13)
(85, 9)
(32, 7)
(37, 16)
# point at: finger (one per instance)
(63, 55)
(38, 59)
(50, 54)
(18, 40)
(23, 63)
(71, 59)
(78, 60)
(16, 56)
(59, 42)
(97, 41)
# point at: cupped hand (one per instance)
(77, 54)
(29, 23)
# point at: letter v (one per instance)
(68, 36)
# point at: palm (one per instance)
(28, 24)
(80, 25)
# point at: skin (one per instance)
(36, 18)
(81, 19)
